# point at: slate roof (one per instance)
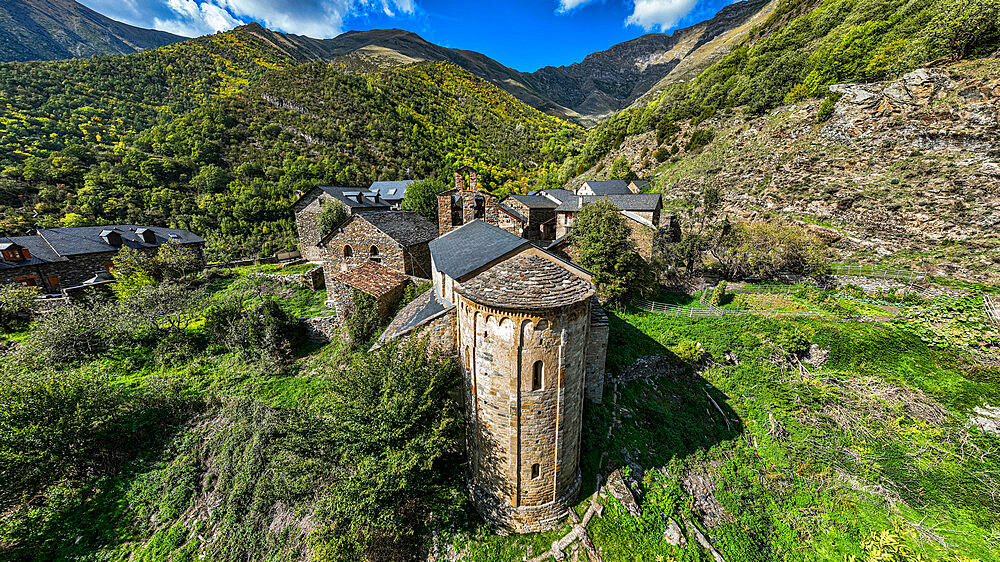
(625, 202)
(406, 227)
(608, 187)
(356, 198)
(558, 195)
(598, 317)
(372, 278)
(640, 184)
(421, 310)
(391, 190)
(535, 201)
(40, 252)
(87, 239)
(527, 282)
(471, 246)
(510, 211)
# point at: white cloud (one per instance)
(664, 14)
(315, 18)
(566, 6)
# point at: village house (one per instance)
(309, 205)
(537, 216)
(466, 202)
(531, 341)
(396, 239)
(383, 284)
(57, 259)
(611, 187)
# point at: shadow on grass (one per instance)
(674, 414)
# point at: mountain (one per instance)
(584, 92)
(217, 135)
(62, 29)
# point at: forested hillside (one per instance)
(219, 133)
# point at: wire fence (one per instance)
(992, 310)
(876, 272)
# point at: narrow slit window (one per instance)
(536, 376)
(536, 471)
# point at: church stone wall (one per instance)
(524, 443)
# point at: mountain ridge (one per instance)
(59, 29)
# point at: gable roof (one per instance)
(391, 190)
(420, 311)
(372, 278)
(636, 202)
(608, 187)
(87, 239)
(406, 227)
(356, 198)
(471, 246)
(535, 201)
(512, 212)
(40, 251)
(640, 184)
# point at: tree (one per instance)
(421, 198)
(396, 426)
(332, 215)
(761, 250)
(363, 320)
(602, 240)
(132, 272)
(173, 261)
(18, 305)
(621, 170)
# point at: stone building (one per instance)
(392, 192)
(531, 341)
(611, 187)
(384, 284)
(537, 214)
(466, 202)
(309, 205)
(61, 259)
(395, 239)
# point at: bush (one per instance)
(621, 170)
(699, 139)
(256, 327)
(666, 129)
(72, 333)
(688, 351)
(761, 250)
(794, 339)
(661, 154)
(363, 321)
(827, 107)
(18, 305)
(332, 215)
(718, 294)
(397, 429)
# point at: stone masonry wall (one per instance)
(360, 235)
(524, 443)
(597, 352)
(307, 224)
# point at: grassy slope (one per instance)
(816, 465)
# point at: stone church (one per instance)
(531, 340)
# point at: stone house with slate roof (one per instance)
(384, 284)
(392, 192)
(57, 259)
(538, 216)
(309, 205)
(395, 239)
(531, 341)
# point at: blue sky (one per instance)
(521, 34)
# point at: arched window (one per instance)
(536, 376)
(348, 251)
(536, 471)
(373, 255)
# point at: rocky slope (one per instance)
(904, 173)
(63, 29)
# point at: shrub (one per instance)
(332, 215)
(763, 249)
(688, 351)
(661, 154)
(72, 333)
(18, 305)
(256, 327)
(666, 129)
(621, 170)
(794, 339)
(363, 320)
(699, 139)
(827, 107)
(718, 293)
